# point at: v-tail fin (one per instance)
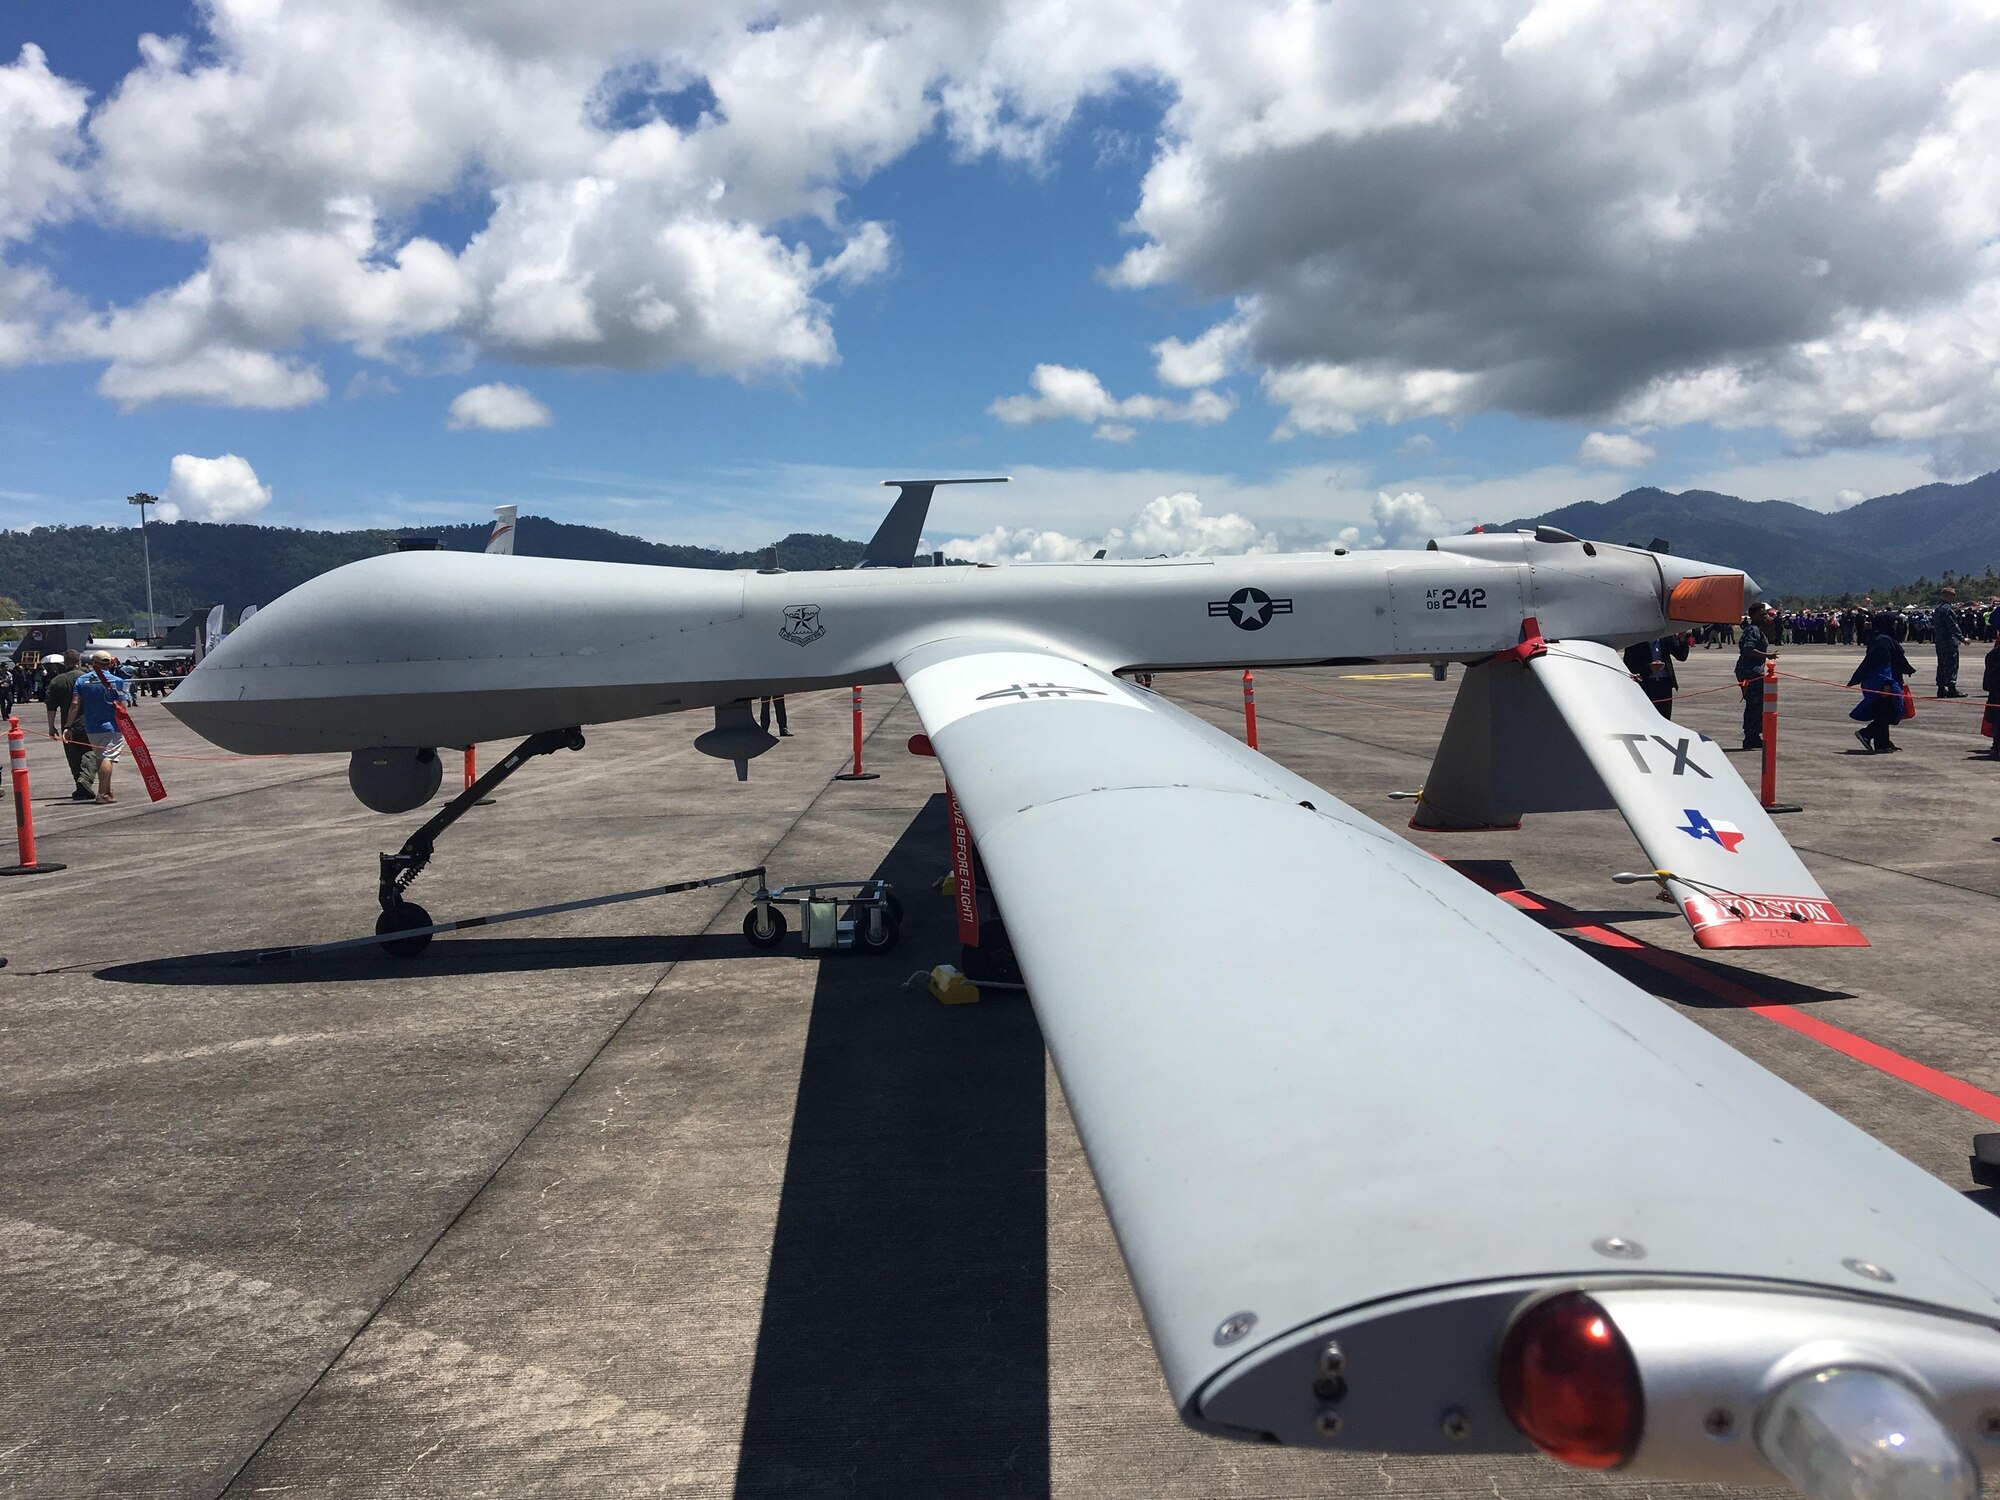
(894, 544)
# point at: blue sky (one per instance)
(727, 273)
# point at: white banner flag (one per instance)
(211, 635)
(244, 618)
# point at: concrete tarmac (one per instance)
(607, 1204)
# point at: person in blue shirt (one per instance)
(93, 712)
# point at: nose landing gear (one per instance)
(400, 870)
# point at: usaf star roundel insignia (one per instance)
(1249, 609)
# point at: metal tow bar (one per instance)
(421, 936)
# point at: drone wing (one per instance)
(1332, 1090)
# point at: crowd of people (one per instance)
(1882, 676)
(1855, 626)
(146, 679)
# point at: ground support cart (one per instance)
(869, 919)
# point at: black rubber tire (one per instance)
(891, 931)
(761, 940)
(406, 914)
(895, 903)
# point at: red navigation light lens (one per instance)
(1568, 1382)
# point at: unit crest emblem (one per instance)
(802, 626)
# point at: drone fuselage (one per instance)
(449, 649)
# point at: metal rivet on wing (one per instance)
(1234, 1327)
(1869, 1269)
(1617, 1247)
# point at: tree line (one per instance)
(100, 570)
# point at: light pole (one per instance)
(146, 550)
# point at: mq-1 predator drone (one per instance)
(1433, 1182)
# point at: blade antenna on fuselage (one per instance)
(894, 544)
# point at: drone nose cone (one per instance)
(250, 695)
(210, 704)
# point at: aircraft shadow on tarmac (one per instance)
(903, 1346)
(1684, 989)
(1679, 981)
(445, 957)
(904, 1342)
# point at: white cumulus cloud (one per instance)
(41, 182)
(1405, 520)
(1614, 450)
(1340, 398)
(1062, 393)
(215, 375)
(1170, 525)
(1650, 213)
(212, 489)
(1639, 215)
(41, 144)
(1203, 360)
(288, 143)
(496, 408)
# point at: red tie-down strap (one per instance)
(1532, 645)
(141, 756)
(963, 878)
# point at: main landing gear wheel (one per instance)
(403, 916)
(764, 937)
(891, 931)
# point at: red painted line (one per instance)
(1907, 1070)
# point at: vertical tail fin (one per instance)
(894, 544)
(501, 543)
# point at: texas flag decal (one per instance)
(1699, 827)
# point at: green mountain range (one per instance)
(1791, 551)
(99, 570)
